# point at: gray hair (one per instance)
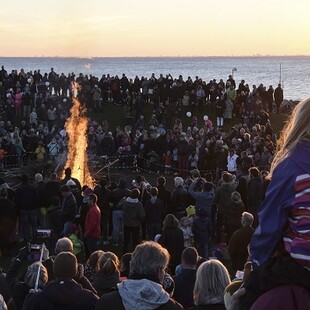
(31, 275)
(247, 219)
(211, 280)
(38, 177)
(148, 259)
(178, 181)
(64, 245)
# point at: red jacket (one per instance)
(92, 222)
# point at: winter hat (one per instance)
(235, 196)
(190, 211)
(65, 265)
(88, 191)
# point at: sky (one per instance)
(130, 28)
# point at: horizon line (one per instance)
(165, 56)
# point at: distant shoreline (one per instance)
(161, 57)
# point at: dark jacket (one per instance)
(154, 211)
(117, 195)
(133, 212)
(209, 307)
(52, 189)
(184, 286)
(173, 240)
(201, 229)
(69, 208)
(165, 196)
(61, 294)
(104, 283)
(26, 197)
(179, 200)
(42, 195)
(233, 212)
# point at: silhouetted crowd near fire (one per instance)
(136, 244)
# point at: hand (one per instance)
(234, 305)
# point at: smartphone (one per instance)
(43, 233)
(35, 251)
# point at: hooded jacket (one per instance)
(61, 295)
(133, 212)
(284, 214)
(138, 294)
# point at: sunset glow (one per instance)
(154, 28)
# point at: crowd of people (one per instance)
(34, 108)
(170, 243)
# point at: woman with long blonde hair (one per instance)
(280, 246)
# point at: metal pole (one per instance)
(36, 286)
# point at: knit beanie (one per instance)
(65, 265)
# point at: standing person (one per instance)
(284, 214)
(239, 242)
(172, 239)
(155, 213)
(278, 97)
(234, 209)
(179, 199)
(222, 197)
(103, 194)
(69, 208)
(255, 193)
(232, 161)
(163, 194)
(202, 232)
(69, 177)
(117, 213)
(133, 215)
(64, 292)
(185, 280)
(92, 224)
(27, 206)
(144, 288)
(42, 199)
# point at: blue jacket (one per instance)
(285, 212)
(204, 200)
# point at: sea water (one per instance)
(293, 72)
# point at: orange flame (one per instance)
(76, 128)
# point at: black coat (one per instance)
(26, 197)
(61, 295)
(184, 286)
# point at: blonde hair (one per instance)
(109, 263)
(31, 275)
(296, 129)
(211, 280)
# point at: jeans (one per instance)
(28, 222)
(117, 217)
(203, 249)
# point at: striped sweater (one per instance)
(285, 213)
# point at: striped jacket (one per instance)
(284, 215)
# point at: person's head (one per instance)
(189, 258)
(254, 172)
(296, 129)
(53, 177)
(68, 172)
(154, 192)
(65, 266)
(178, 181)
(38, 177)
(93, 260)
(247, 219)
(31, 275)
(149, 261)
(207, 187)
(109, 263)
(161, 181)
(185, 221)
(135, 193)
(235, 196)
(63, 245)
(65, 190)
(170, 221)
(211, 280)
